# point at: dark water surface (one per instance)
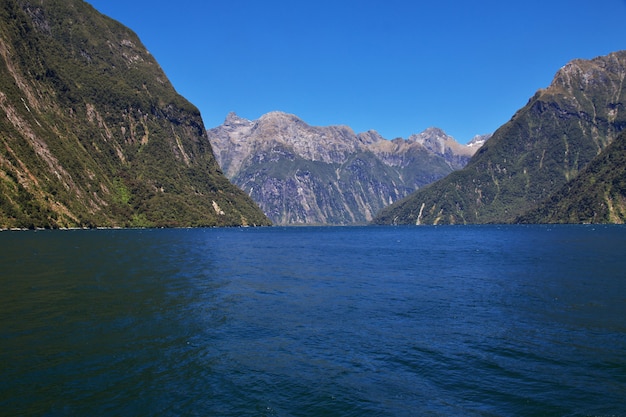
(355, 321)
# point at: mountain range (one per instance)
(93, 134)
(302, 174)
(544, 146)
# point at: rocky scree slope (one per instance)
(93, 134)
(545, 145)
(302, 174)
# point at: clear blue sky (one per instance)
(395, 66)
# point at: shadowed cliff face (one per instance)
(545, 145)
(93, 133)
(301, 174)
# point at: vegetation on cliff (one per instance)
(545, 145)
(93, 134)
(596, 195)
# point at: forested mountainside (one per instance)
(92, 133)
(596, 195)
(302, 174)
(546, 144)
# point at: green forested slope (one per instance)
(546, 143)
(596, 195)
(93, 134)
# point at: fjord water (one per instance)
(352, 321)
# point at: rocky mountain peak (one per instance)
(432, 137)
(303, 174)
(370, 137)
(233, 120)
(279, 116)
(316, 143)
(437, 141)
(277, 123)
(479, 140)
(590, 75)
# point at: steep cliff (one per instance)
(596, 195)
(545, 145)
(302, 174)
(93, 134)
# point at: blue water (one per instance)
(353, 321)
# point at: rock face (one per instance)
(301, 174)
(456, 154)
(545, 145)
(93, 134)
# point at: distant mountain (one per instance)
(302, 174)
(438, 142)
(596, 195)
(93, 134)
(545, 145)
